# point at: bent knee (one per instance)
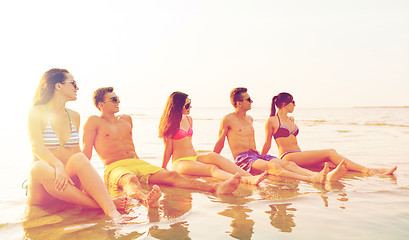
(290, 164)
(274, 169)
(331, 152)
(213, 155)
(170, 176)
(40, 169)
(78, 160)
(127, 179)
(213, 168)
(208, 157)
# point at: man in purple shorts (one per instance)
(238, 128)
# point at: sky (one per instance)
(326, 53)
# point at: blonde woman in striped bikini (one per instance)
(60, 170)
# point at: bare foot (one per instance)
(253, 180)
(338, 172)
(229, 186)
(120, 202)
(384, 171)
(321, 176)
(152, 199)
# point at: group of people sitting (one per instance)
(62, 171)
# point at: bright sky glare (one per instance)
(326, 53)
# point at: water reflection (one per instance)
(175, 203)
(282, 217)
(176, 231)
(65, 221)
(62, 220)
(271, 203)
(281, 214)
(242, 225)
(274, 189)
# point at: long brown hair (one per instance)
(45, 89)
(172, 115)
(280, 101)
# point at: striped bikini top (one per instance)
(51, 140)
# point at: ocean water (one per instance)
(358, 207)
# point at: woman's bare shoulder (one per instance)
(272, 121)
(73, 114)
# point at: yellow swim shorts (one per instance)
(192, 158)
(141, 169)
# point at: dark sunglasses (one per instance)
(114, 99)
(293, 102)
(73, 82)
(247, 99)
(187, 106)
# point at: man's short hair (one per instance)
(235, 95)
(99, 95)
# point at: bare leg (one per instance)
(292, 167)
(276, 169)
(311, 158)
(333, 176)
(222, 162)
(42, 190)
(196, 168)
(132, 187)
(174, 179)
(92, 183)
(230, 167)
(385, 171)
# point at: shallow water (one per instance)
(358, 207)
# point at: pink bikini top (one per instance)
(182, 133)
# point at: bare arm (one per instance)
(129, 119)
(269, 135)
(222, 136)
(36, 139)
(168, 151)
(43, 153)
(88, 138)
(191, 121)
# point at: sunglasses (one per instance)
(114, 99)
(247, 99)
(187, 106)
(293, 102)
(73, 82)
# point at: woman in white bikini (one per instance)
(60, 170)
(176, 130)
(285, 131)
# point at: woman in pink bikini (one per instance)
(284, 131)
(60, 170)
(176, 130)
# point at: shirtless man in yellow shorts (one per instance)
(111, 136)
